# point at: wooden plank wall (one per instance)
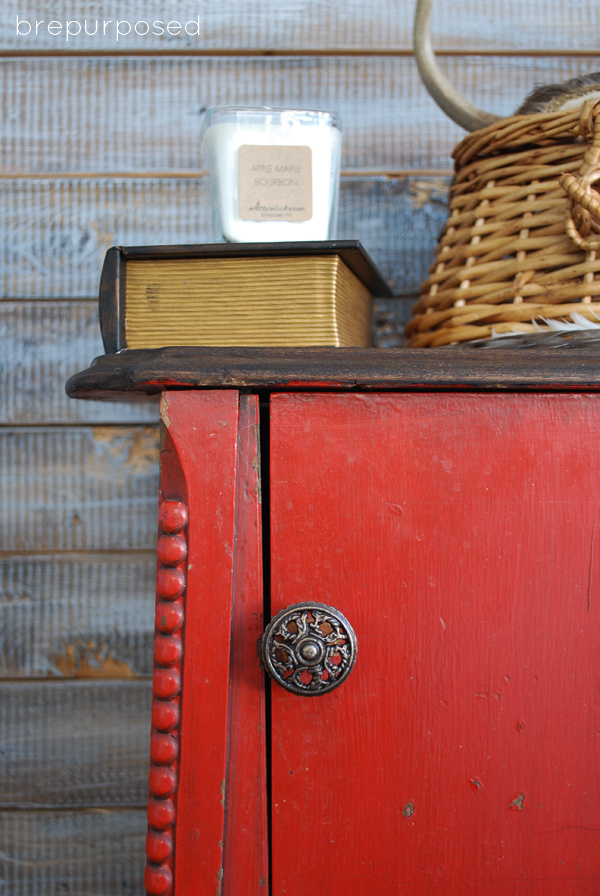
(98, 146)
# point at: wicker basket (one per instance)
(522, 241)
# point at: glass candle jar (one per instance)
(274, 173)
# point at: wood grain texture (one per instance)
(43, 344)
(74, 115)
(89, 488)
(87, 853)
(99, 151)
(47, 342)
(77, 615)
(74, 744)
(320, 25)
(58, 231)
(135, 373)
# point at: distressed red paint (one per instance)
(166, 685)
(458, 534)
(201, 758)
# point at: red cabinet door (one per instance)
(460, 536)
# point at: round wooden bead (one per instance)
(163, 748)
(159, 846)
(158, 880)
(171, 549)
(172, 516)
(166, 683)
(162, 780)
(165, 715)
(170, 583)
(168, 616)
(161, 813)
(167, 649)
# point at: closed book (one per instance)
(268, 294)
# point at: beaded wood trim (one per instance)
(171, 580)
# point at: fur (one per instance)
(553, 97)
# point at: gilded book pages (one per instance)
(280, 301)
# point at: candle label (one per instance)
(275, 183)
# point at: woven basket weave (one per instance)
(522, 241)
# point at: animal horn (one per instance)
(453, 104)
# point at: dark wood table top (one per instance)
(144, 373)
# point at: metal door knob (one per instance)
(309, 648)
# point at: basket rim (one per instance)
(519, 131)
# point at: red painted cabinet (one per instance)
(459, 534)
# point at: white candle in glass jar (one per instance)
(274, 173)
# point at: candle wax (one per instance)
(260, 163)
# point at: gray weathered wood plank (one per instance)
(86, 488)
(43, 344)
(70, 744)
(85, 853)
(56, 231)
(65, 115)
(77, 615)
(310, 24)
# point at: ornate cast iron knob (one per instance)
(309, 648)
